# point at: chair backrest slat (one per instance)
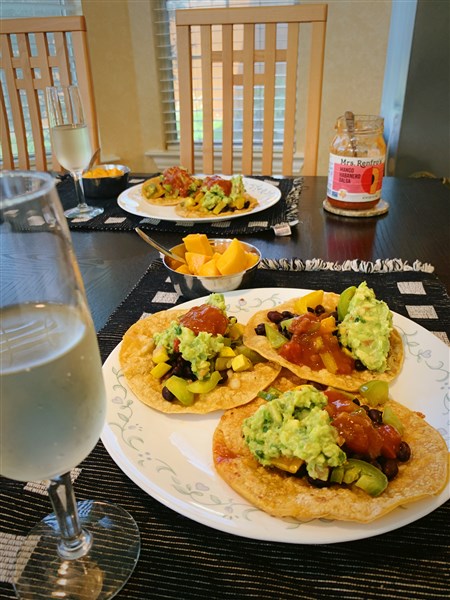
(245, 67)
(227, 98)
(36, 53)
(248, 78)
(207, 88)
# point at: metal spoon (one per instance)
(164, 251)
(350, 123)
(93, 159)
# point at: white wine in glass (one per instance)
(53, 401)
(70, 141)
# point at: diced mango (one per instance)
(328, 361)
(241, 363)
(252, 259)
(195, 261)
(233, 260)
(160, 369)
(328, 324)
(287, 463)
(199, 243)
(227, 352)
(183, 269)
(159, 355)
(311, 300)
(209, 269)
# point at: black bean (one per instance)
(319, 386)
(319, 310)
(365, 407)
(334, 314)
(319, 483)
(359, 365)
(224, 375)
(390, 468)
(167, 394)
(309, 309)
(287, 314)
(274, 316)
(404, 452)
(375, 415)
(260, 329)
(356, 401)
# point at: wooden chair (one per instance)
(237, 68)
(36, 53)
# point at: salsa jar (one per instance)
(356, 168)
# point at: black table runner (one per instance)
(181, 559)
(115, 218)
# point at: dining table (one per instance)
(199, 539)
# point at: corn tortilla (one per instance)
(136, 361)
(283, 495)
(350, 382)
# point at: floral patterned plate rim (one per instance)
(169, 456)
(131, 201)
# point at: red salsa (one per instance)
(315, 346)
(205, 318)
(179, 180)
(225, 184)
(361, 436)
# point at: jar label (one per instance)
(355, 179)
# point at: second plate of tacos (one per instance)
(193, 361)
(338, 340)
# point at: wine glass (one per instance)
(70, 141)
(53, 400)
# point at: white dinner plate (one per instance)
(170, 456)
(132, 201)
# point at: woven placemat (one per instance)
(114, 218)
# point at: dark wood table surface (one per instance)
(417, 227)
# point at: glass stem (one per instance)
(78, 181)
(75, 541)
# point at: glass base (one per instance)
(83, 211)
(42, 574)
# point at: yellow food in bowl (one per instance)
(203, 260)
(101, 172)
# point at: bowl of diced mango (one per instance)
(211, 265)
(105, 181)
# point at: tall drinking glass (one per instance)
(70, 141)
(52, 401)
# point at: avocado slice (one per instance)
(179, 388)
(390, 418)
(254, 356)
(205, 386)
(344, 301)
(337, 474)
(274, 337)
(370, 479)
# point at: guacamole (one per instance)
(197, 348)
(366, 328)
(295, 425)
